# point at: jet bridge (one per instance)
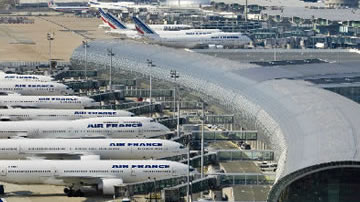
(211, 136)
(172, 189)
(226, 156)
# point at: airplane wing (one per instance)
(63, 156)
(93, 136)
(88, 180)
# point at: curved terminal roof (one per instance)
(304, 124)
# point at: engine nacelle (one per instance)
(90, 157)
(108, 185)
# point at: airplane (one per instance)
(224, 39)
(111, 21)
(19, 77)
(121, 5)
(34, 88)
(89, 149)
(110, 5)
(103, 127)
(118, 27)
(68, 9)
(52, 102)
(16, 114)
(104, 175)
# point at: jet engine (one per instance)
(108, 185)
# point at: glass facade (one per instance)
(352, 93)
(333, 185)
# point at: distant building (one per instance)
(187, 3)
(342, 3)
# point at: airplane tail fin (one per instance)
(116, 22)
(103, 16)
(51, 4)
(143, 28)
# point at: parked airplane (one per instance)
(58, 114)
(89, 149)
(103, 175)
(34, 88)
(104, 127)
(68, 9)
(111, 5)
(19, 77)
(192, 40)
(118, 27)
(121, 5)
(52, 102)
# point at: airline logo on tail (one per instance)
(141, 27)
(51, 4)
(116, 22)
(103, 15)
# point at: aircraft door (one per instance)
(20, 150)
(173, 172)
(3, 171)
(133, 172)
(55, 172)
(34, 133)
(140, 132)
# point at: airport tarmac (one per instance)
(28, 42)
(245, 192)
(45, 193)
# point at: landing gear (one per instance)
(73, 193)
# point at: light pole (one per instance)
(111, 54)
(85, 44)
(155, 189)
(188, 170)
(50, 37)
(150, 65)
(174, 74)
(202, 142)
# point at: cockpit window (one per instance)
(182, 147)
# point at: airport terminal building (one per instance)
(314, 132)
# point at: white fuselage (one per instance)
(34, 88)
(50, 102)
(19, 77)
(58, 114)
(105, 127)
(67, 172)
(193, 41)
(115, 149)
